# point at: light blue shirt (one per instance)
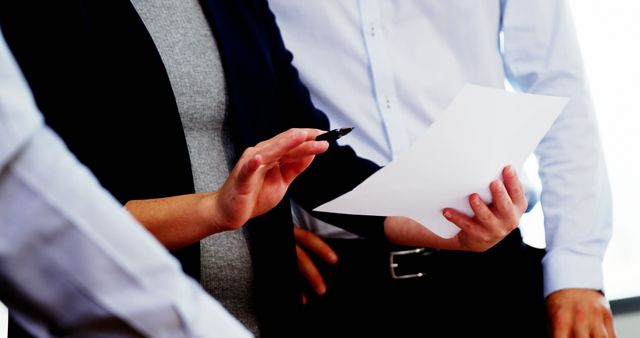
(71, 260)
(390, 68)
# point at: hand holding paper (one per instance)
(481, 132)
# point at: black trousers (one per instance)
(497, 293)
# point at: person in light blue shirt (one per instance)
(390, 68)
(74, 264)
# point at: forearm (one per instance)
(179, 220)
(401, 232)
(65, 241)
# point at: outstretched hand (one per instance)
(263, 174)
(489, 225)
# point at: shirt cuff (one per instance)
(565, 270)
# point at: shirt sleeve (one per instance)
(72, 262)
(541, 56)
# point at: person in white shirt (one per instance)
(390, 68)
(74, 264)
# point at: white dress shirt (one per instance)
(390, 68)
(72, 262)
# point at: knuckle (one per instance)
(248, 151)
(525, 204)
(560, 319)
(511, 222)
(484, 217)
(482, 248)
(486, 238)
(513, 226)
(502, 233)
(493, 187)
(607, 315)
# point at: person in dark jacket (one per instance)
(158, 99)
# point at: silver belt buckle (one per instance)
(393, 265)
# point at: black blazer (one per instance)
(100, 82)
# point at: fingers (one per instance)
(488, 226)
(290, 171)
(482, 212)
(292, 145)
(597, 330)
(506, 213)
(307, 148)
(275, 148)
(248, 168)
(310, 272)
(463, 221)
(604, 328)
(561, 324)
(312, 133)
(608, 325)
(315, 244)
(501, 201)
(581, 328)
(514, 188)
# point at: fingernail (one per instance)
(475, 199)
(321, 290)
(447, 214)
(510, 171)
(333, 258)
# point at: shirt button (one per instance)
(372, 30)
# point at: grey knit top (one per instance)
(188, 50)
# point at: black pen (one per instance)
(334, 134)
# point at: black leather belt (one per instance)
(407, 263)
(389, 261)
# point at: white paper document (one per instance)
(482, 131)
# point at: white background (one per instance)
(609, 35)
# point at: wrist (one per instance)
(211, 214)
